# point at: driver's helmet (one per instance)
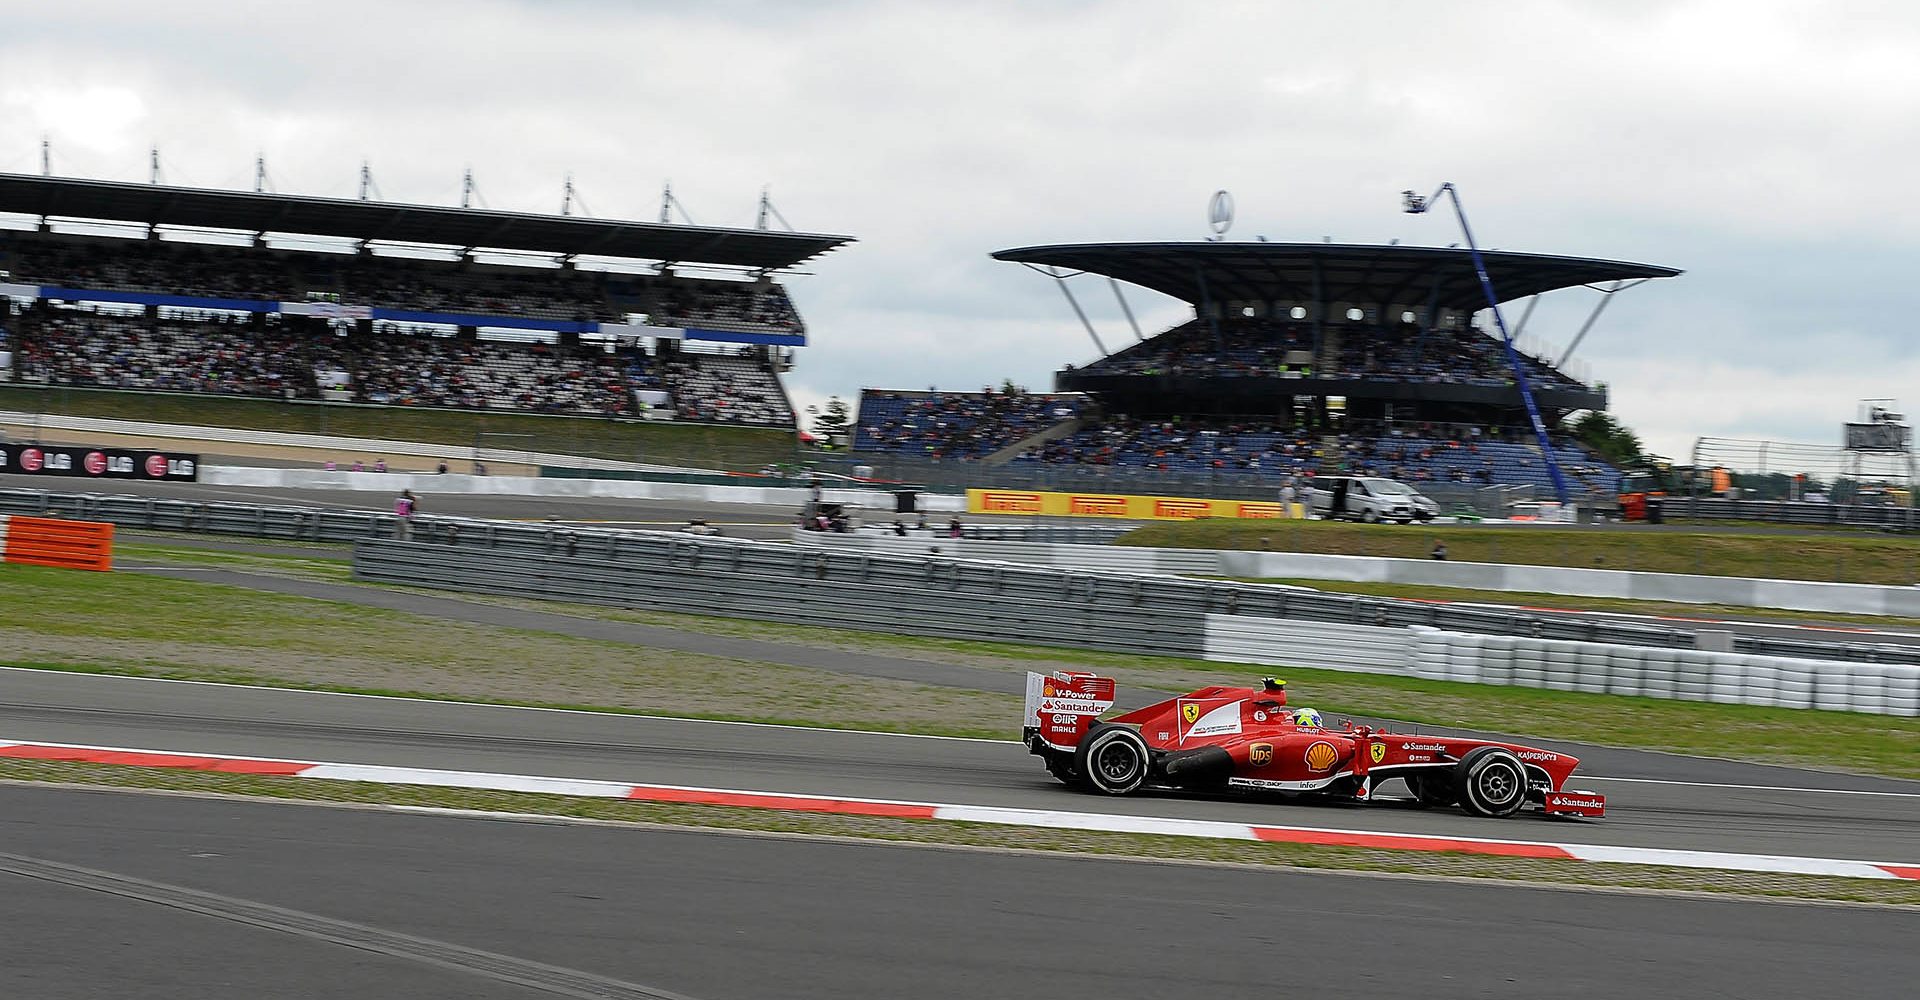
(1307, 718)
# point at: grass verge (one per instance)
(1823, 556)
(146, 625)
(153, 626)
(1839, 741)
(319, 566)
(1113, 845)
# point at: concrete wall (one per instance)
(528, 486)
(1798, 595)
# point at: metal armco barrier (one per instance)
(1160, 616)
(1158, 591)
(1785, 512)
(953, 600)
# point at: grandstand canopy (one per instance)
(1224, 272)
(379, 221)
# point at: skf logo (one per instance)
(1010, 503)
(1260, 754)
(1181, 509)
(1190, 712)
(1321, 756)
(1379, 752)
(1097, 506)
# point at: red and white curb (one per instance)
(1043, 818)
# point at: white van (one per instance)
(1368, 498)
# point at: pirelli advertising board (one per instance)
(1120, 506)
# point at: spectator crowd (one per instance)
(230, 354)
(956, 425)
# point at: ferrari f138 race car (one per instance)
(1220, 739)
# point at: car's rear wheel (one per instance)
(1432, 788)
(1112, 760)
(1490, 781)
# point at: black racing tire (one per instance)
(1491, 782)
(1112, 760)
(1431, 788)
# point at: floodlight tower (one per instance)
(1416, 205)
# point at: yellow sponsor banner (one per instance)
(1119, 506)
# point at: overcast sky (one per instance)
(1764, 148)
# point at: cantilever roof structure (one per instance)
(1328, 272)
(254, 212)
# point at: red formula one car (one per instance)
(1245, 739)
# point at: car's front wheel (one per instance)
(1490, 781)
(1112, 760)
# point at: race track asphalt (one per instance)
(1772, 811)
(722, 916)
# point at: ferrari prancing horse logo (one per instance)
(1379, 752)
(1260, 754)
(1190, 712)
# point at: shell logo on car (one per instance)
(1321, 756)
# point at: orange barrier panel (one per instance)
(45, 541)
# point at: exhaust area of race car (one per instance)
(1197, 768)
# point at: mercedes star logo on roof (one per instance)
(1220, 212)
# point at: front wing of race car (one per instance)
(1591, 805)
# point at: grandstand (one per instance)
(1298, 359)
(960, 426)
(163, 289)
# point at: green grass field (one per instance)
(734, 448)
(127, 622)
(1817, 555)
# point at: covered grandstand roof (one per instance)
(248, 211)
(1344, 272)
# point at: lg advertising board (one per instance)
(98, 463)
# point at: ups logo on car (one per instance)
(1260, 754)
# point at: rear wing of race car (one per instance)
(1062, 705)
